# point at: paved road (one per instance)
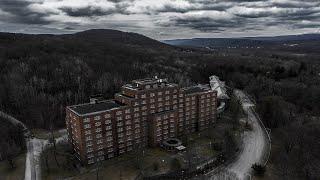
(34, 149)
(255, 147)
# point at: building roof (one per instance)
(149, 80)
(196, 89)
(96, 107)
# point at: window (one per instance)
(143, 96)
(119, 118)
(90, 156)
(120, 124)
(86, 120)
(159, 93)
(120, 135)
(109, 144)
(159, 99)
(96, 118)
(90, 161)
(88, 132)
(128, 116)
(167, 92)
(108, 133)
(89, 150)
(107, 115)
(108, 121)
(98, 130)
(98, 124)
(118, 112)
(110, 150)
(136, 109)
(129, 133)
(108, 127)
(152, 94)
(89, 143)
(98, 135)
(100, 153)
(99, 141)
(127, 111)
(86, 126)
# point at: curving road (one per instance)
(34, 149)
(255, 146)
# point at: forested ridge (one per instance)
(41, 74)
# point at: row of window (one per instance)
(160, 93)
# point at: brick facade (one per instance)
(144, 113)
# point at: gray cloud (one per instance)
(88, 11)
(165, 16)
(18, 12)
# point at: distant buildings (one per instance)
(220, 88)
(145, 113)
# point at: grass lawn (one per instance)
(122, 167)
(6, 173)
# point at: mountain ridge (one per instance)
(242, 41)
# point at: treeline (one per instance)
(40, 75)
(287, 92)
(12, 141)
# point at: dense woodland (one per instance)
(41, 74)
(12, 141)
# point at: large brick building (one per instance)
(145, 112)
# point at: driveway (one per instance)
(255, 146)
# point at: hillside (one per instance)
(294, 43)
(41, 74)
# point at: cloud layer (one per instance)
(163, 18)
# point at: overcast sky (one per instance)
(163, 19)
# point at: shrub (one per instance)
(259, 169)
